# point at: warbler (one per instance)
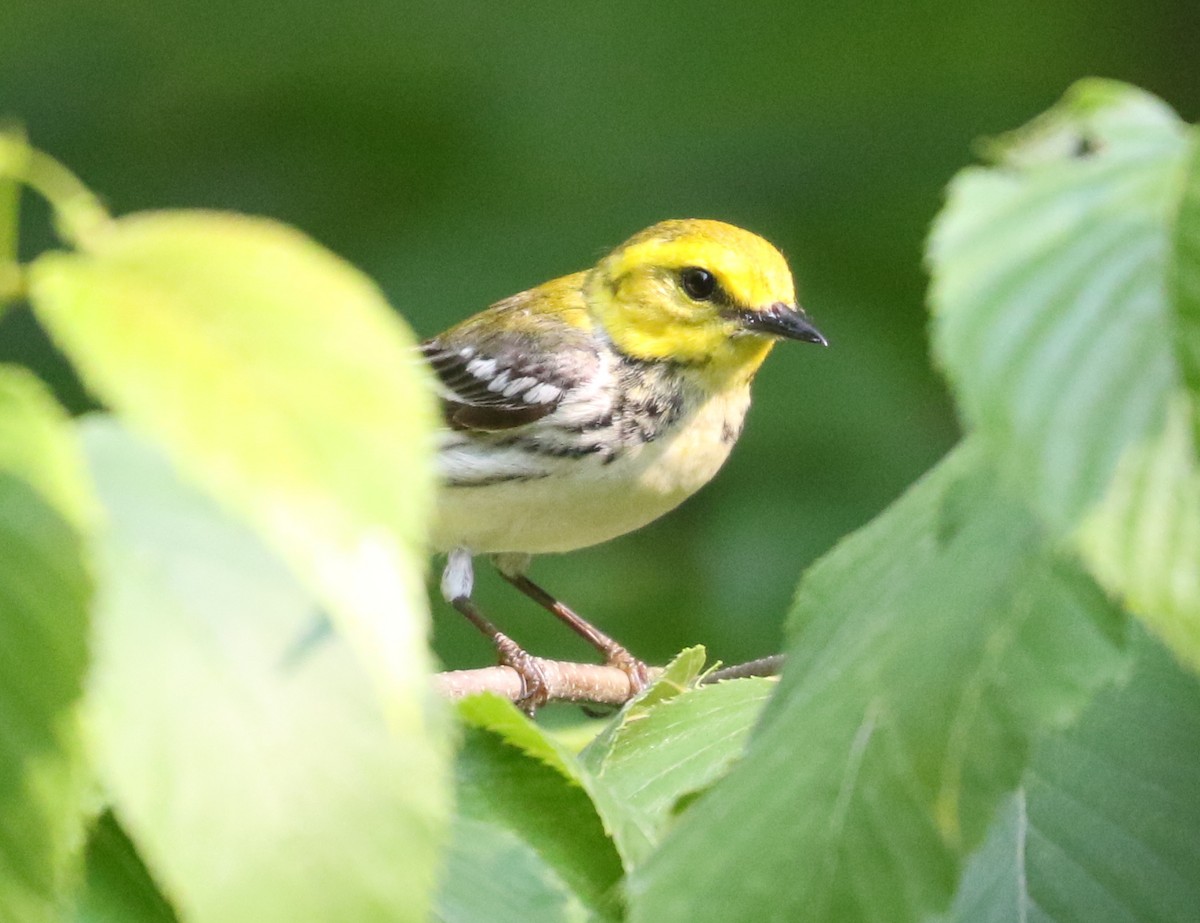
(591, 405)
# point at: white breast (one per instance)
(568, 503)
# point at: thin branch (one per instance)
(78, 214)
(764, 666)
(567, 681)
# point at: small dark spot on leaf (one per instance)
(686, 800)
(1086, 145)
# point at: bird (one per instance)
(591, 405)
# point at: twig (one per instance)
(567, 681)
(764, 666)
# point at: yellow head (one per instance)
(699, 293)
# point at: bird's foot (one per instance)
(637, 671)
(535, 691)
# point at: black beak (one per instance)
(782, 320)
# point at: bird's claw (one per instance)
(636, 670)
(535, 691)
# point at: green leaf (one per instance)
(12, 151)
(676, 678)
(1092, 114)
(244, 748)
(524, 824)
(927, 652)
(274, 375)
(1107, 823)
(1066, 299)
(631, 826)
(491, 873)
(118, 889)
(1143, 539)
(37, 445)
(493, 713)
(1049, 296)
(676, 748)
(501, 718)
(1185, 282)
(44, 595)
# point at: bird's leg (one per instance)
(512, 569)
(458, 579)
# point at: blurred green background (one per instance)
(460, 152)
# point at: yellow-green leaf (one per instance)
(37, 445)
(275, 376)
(12, 151)
(1066, 300)
(1143, 539)
(240, 742)
(44, 597)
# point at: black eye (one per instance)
(700, 284)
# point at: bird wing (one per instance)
(511, 365)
